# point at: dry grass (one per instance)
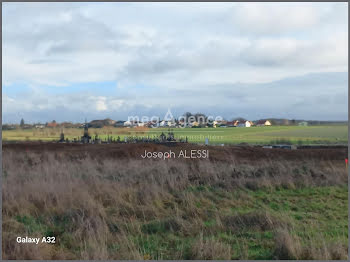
(290, 247)
(210, 249)
(112, 208)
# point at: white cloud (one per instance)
(309, 54)
(78, 43)
(272, 18)
(164, 47)
(101, 103)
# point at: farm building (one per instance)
(263, 123)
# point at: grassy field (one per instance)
(253, 135)
(259, 205)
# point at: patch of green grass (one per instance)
(163, 246)
(160, 226)
(209, 223)
(250, 245)
(321, 210)
(59, 224)
(32, 224)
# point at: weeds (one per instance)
(114, 208)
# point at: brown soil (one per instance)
(216, 153)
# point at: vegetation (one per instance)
(114, 206)
(336, 134)
(22, 123)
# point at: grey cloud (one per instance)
(51, 32)
(78, 35)
(65, 43)
(312, 96)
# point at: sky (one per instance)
(71, 61)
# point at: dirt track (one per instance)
(216, 153)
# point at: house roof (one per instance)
(261, 122)
(243, 122)
(52, 124)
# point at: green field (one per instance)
(231, 135)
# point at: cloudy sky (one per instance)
(68, 61)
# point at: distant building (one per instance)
(304, 123)
(219, 123)
(263, 123)
(27, 126)
(119, 123)
(233, 123)
(8, 127)
(128, 123)
(148, 124)
(195, 124)
(244, 124)
(52, 124)
(67, 125)
(171, 123)
(230, 123)
(163, 123)
(153, 124)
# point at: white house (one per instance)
(263, 123)
(171, 123)
(129, 123)
(163, 123)
(244, 124)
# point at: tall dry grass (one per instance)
(92, 205)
